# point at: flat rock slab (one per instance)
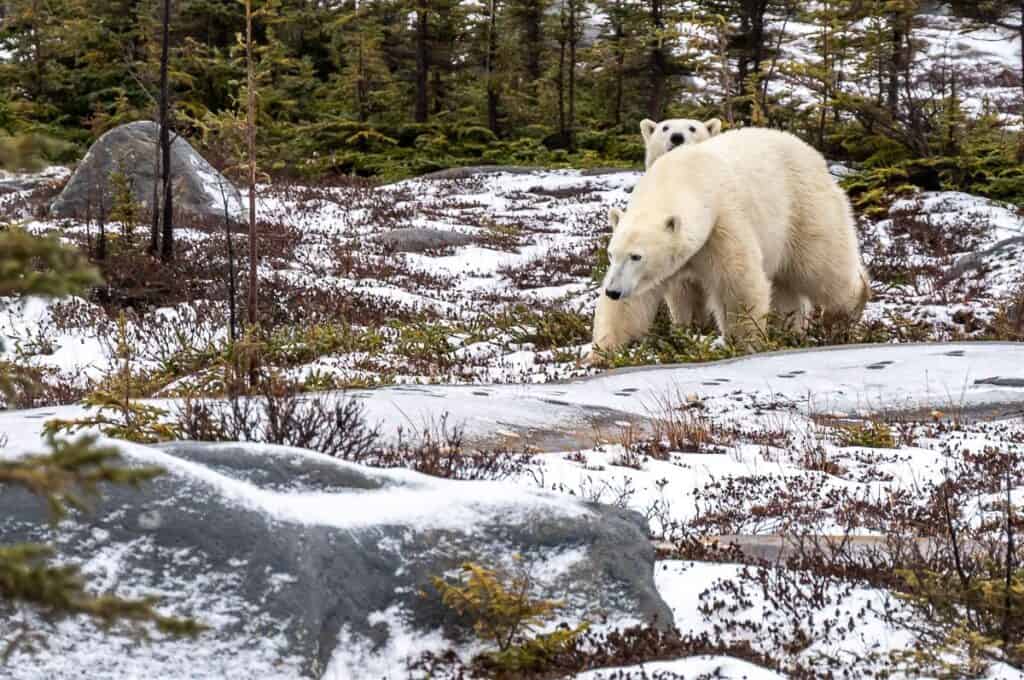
(421, 239)
(852, 380)
(301, 564)
(130, 149)
(1002, 382)
(1007, 248)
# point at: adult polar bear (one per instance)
(754, 217)
(660, 138)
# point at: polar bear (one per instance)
(753, 217)
(686, 300)
(660, 138)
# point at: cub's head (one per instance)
(642, 252)
(660, 138)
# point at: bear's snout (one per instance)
(677, 138)
(613, 294)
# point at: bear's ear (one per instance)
(614, 215)
(714, 126)
(671, 223)
(647, 128)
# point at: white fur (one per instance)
(746, 216)
(660, 138)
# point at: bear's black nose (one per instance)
(613, 294)
(677, 138)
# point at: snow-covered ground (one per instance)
(766, 459)
(480, 312)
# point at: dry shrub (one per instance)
(280, 414)
(680, 424)
(440, 449)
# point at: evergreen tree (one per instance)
(69, 473)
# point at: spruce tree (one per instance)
(69, 473)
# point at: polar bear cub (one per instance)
(753, 217)
(660, 138)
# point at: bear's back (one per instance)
(772, 160)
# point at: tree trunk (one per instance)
(250, 125)
(573, 40)
(826, 64)
(101, 240)
(167, 245)
(757, 36)
(743, 61)
(533, 32)
(658, 66)
(422, 61)
(895, 63)
(560, 78)
(362, 88)
(232, 291)
(154, 230)
(619, 46)
(492, 55)
(1020, 137)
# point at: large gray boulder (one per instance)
(130, 149)
(304, 566)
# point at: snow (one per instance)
(356, 657)
(691, 667)
(412, 499)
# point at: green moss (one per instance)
(871, 434)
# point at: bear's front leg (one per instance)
(742, 301)
(792, 308)
(686, 302)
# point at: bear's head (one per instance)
(648, 246)
(660, 138)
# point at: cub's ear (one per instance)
(671, 224)
(614, 215)
(647, 128)
(714, 126)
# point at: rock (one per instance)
(299, 562)
(130, 149)
(419, 239)
(974, 261)
(1000, 381)
(18, 184)
(11, 183)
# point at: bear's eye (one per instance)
(634, 257)
(693, 129)
(664, 129)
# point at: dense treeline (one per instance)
(393, 87)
